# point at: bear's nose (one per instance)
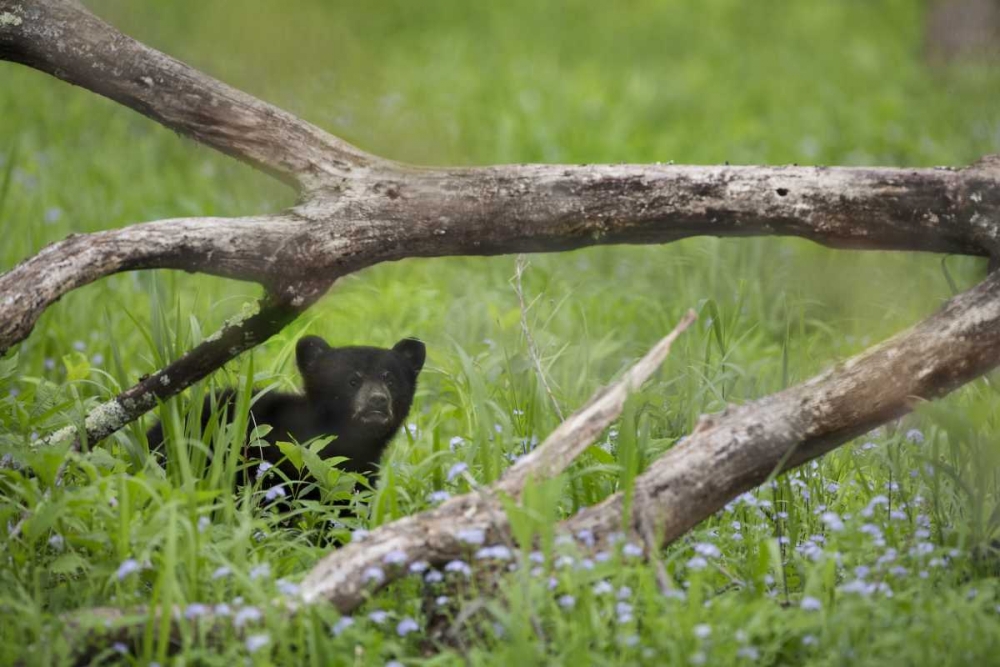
(378, 401)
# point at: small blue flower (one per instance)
(287, 587)
(359, 535)
(434, 577)
(221, 572)
(707, 549)
(915, 436)
(341, 625)
(378, 616)
(275, 492)
(603, 587)
(497, 551)
(260, 571)
(456, 470)
(471, 535)
(395, 557)
(459, 566)
(246, 615)
(418, 566)
(567, 601)
(263, 468)
(632, 550)
(833, 521)
(128, 566)
(195, 610)
(406, 626)
(697, 563)
(256, 642)
(809, 603)
(438, 497)
(373, 573)
(586, 537)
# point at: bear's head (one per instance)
(367, 388)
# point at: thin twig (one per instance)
(520, 266)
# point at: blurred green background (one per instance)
(834, 82)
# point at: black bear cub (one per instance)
(359, 394)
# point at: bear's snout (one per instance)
(372, 404)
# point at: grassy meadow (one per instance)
(883, 552)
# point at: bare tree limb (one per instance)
(737, 450)
(530, 208)
(242, 248)
(230, 341)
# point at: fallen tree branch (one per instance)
(241, 248)
(739, 449)
(234, 338)
(528, 208)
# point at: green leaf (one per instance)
(77, 366)
(292, 452)
(69, 564)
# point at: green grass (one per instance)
(476, 83)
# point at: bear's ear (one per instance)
(413, 351)
(308, 350)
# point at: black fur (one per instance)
(359, 394)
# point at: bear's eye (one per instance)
(355, 379)
(387, 378)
